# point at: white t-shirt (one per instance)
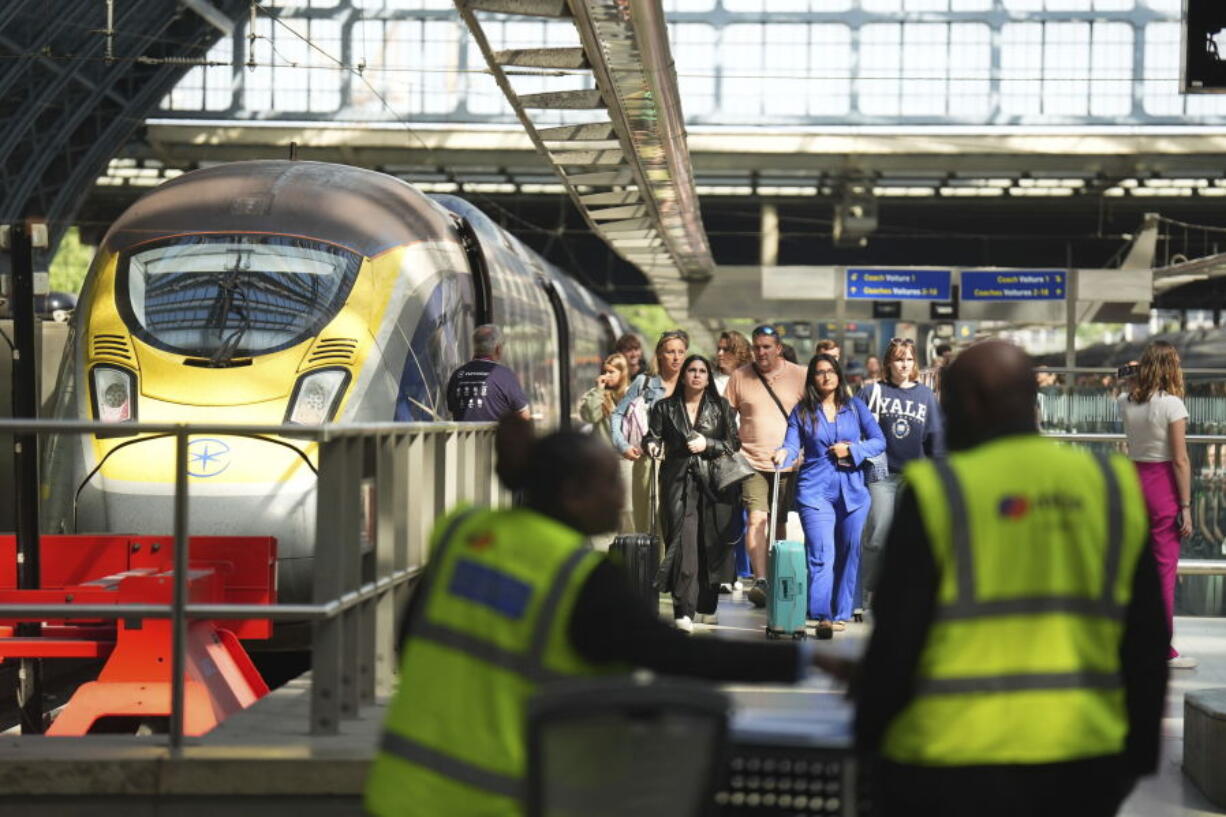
(1148, 425)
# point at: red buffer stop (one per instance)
(219, 677)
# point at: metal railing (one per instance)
(1083, 399)
(398, 478)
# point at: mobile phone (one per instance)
(1179, 517)
(1130, 370)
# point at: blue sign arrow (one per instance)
(1014, 285)
(901, 284)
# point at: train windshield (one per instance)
(227, 296)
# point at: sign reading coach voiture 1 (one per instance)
(902, 284)
(1014, 285)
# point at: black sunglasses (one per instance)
(765, 330)
(676, 333)
(903, 341)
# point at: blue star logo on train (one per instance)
(207, 457)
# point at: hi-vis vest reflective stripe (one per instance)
(491, 626)
(1036, 545)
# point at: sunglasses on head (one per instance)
(903, 341)
(765, 330)
(676, 333)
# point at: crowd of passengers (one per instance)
(834, 444)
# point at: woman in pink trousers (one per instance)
(1155, 422)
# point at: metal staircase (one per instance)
(624, 160)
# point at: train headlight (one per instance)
(316, 396)
(113, 392)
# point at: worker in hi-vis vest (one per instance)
(513, 599)
(1017, 664)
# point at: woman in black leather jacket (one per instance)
(691, 429)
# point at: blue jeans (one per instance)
(832, 545)
(884, 495)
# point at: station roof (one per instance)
(80, 91)
(77, 86)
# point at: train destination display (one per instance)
(1014, 285)
(870, 284)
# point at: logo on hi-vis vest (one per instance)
(1016, 507)
(480, 541)
(1013, 507)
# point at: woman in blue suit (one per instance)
(837, 433)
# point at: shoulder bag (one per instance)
(634, 421)
(728, 469)
(876, 468)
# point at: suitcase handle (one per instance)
(651, 500)
(770, 520)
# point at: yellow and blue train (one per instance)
(272, 292)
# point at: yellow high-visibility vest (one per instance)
(1036, 545)
(491, 628)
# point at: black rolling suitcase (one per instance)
(639, 555)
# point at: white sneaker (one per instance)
(737, 586)
(684, 624)
(708, 618)
(1182, 662)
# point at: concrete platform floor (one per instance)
(264, 758)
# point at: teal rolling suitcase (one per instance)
(787, 573)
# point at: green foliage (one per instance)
(71, 262)
(649, 319)
(652, 320)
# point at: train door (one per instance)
(609, 332)
(562, 345)
(483, 293)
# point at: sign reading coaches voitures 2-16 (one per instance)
(1014, 285)
(877, 283)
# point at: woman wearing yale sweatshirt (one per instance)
(910, 419)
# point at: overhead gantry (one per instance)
(627, 171)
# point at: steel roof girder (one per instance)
(554, 146)
(613, 198)
(579, 99)
(615, 213)
(588, 158)
(592, 131)
(542, 57)
(630, 224)
(616, 178)
(526, 8)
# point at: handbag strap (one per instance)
(874, 402)
(771, 392)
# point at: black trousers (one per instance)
(1085, 788)
(692, 593)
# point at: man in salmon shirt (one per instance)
(764, 393)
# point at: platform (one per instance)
(264, 757)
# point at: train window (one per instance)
(228, 296)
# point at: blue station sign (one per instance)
(1014, 285)
(878, 284)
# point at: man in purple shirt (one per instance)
(483, 390)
